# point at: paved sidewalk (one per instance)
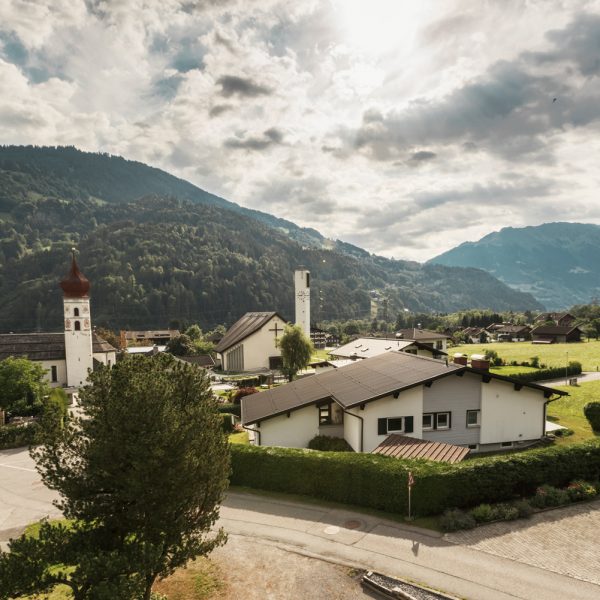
(564, 540)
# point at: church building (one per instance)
(68, 356)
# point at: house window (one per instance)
(76, 312)
(395, 425)
(427, 421)
(473, 418)
(507, 444)
(473, 446)
(77, 326)
(325, 414)
(442, 420)
(439, 345)
(54, 373)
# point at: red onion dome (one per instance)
(75, 284)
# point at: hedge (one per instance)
(230, 408)
(592, 413)
(574, 368)
(15, 436)
(380, 482)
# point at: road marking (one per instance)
(18, 468)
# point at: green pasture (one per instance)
(568, 411)
(553, 355)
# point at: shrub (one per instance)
(483, 513)
(523, 508)
(547, 495)
(230, 408)
(542, 373)
(227, 422)
(455, 519)
(329, 444)
(15, 436)
(563, 432)
(242, 393)
(535, 362)
(581, 490)
(506, 512)
(592, 413)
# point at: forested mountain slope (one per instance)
(160, 258)
(559, 263)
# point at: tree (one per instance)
(194, 332)
(296, 350)
(140, 476)
(181, 345)
(22, 386)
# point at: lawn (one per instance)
(509, 371)
(568, 411)
(241, 437)
(319, 354)
(554, 355)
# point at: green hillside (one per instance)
(559, 263)
(166, 256)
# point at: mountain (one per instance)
(158, 249)
(559, 263)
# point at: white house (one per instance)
(400, 393)
(251, 344)
(68, 356)
(436, 340)
(369, 347)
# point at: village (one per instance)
(412, 395)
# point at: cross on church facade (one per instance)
(276, 329)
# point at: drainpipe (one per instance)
(257, 431)
(362, 424)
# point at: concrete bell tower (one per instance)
(302, 295)
(78, 326)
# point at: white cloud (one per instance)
(406, 131)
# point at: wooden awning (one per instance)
(401, 446)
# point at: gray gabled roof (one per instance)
(43, 346)
(421, 334)
(554, 329)
(247, 325)
(364, 381)
(350, 386)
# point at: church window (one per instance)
(77, 326)
(76, 312)
(308, 280)
(54, 373)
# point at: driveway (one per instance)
(489, 566)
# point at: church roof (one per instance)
(75, 284)
(246, 326)
(43, 346)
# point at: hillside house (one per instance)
(513, 333)
(251, 344)
(401, 394)
(562, 319)
(556, 334)
(438, 341)
(475, 335)
(155, 337)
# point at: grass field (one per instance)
(554, 355)
(509, 371)
(568, 411)
(240, 437)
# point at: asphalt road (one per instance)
(336, 535)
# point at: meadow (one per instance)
(553, 355)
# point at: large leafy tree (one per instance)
(296, 350)
(22, 386)
(140, 474)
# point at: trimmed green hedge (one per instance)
(592, 413)
(15, 436)
(380, 482)
(574, 368)
(231, 409)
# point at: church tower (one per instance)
(302, 294)
(78, 326)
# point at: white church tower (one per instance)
(78, 326)
(302, 294)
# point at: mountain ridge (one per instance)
(557, 262)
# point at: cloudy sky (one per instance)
(404, 127)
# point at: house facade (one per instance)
(251, 344)
(370, 347)
(556, 334)
(399, 393)
(438, 341)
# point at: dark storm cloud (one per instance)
(510, 111)
(271, 137)
(231, 85)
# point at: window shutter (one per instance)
(408, 425)
(381, 426)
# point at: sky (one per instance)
(403, 127)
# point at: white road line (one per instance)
(18, 468)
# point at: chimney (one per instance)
(460, 359)
(479, 361)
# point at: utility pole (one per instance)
(567, 370)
